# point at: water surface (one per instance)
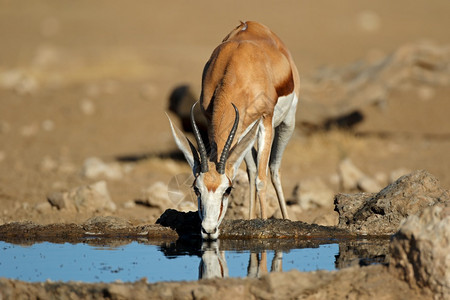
(130, 262)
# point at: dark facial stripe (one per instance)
(221, 268)
(221, 208)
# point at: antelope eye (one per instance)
(228, 191)
(196, 191)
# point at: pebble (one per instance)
(48, 125)
(87, 107)
(368, 21)
(94, 167)
(352, 178)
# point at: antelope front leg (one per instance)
(251, 172)
(264, 147)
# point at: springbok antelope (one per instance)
(249, 90)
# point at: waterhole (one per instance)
(108, 261)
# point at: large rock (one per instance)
(381, 213)
(94, 197)
(421, 250)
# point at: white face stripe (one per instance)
(213, 204)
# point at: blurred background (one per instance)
(84, 87)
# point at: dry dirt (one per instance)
(92, 79)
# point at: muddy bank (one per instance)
(116, 228)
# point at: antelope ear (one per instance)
(239, 150)
(185, 145)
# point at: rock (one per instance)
(29, 130)
(48, 125)
(94, 167)
(352, 178)
(129, 204)
(43, 207)
(94, 197)
(157, 195)
(21, 81)
(368, 21)
(381, 213)
(87, 107)
(421, 250)
(60, 200)
(48, 164)
(186, 206)
(311, 194)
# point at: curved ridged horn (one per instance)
(226, 148)
(201, 146)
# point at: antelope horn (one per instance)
(201, 146)
(226, 148)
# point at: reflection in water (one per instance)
(213, 262)
(187, 259)
(257, 265)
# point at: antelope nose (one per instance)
(209, 231)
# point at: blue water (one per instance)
(131, 262)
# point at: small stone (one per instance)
(313, 193)
(368, 21)
(29, 130)
(426, 93)
(59, 200)
(349, 174)
(48, 125)
(129, 204)
(87, 107)
(48, 164)
(157, 195)
(367, 184)
(94, 167)
(43, 207)
(352, 178)
(381, 178)
(186, 206)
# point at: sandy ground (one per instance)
(92, 79)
